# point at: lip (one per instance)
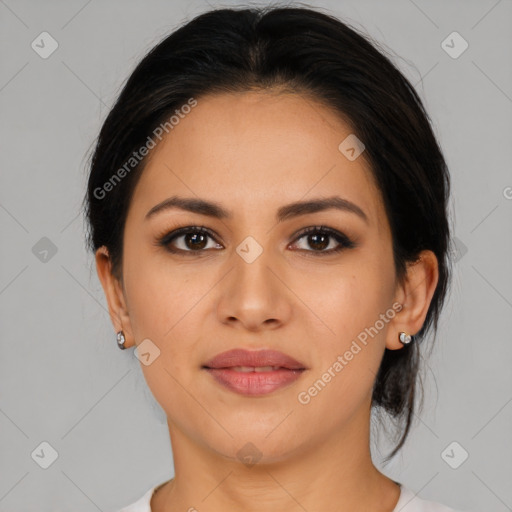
(253, 383)
(242, 357)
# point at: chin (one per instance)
(251, 448)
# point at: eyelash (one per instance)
(345, 242)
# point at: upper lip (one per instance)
(252, 358)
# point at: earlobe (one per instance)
(415, 296)
(114, 295)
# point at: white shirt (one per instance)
(408, 502)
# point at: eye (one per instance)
(196, 239)
(188, 239)
(321, 238)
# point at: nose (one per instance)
(253, 295)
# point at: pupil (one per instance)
(194, 238)
(316, 244)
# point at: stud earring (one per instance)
(404, 338)
(120, 340)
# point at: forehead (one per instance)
(255, 150)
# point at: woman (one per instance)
(267, 205)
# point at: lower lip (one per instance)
(254, 383)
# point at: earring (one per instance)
(120, 340)
(405, 338)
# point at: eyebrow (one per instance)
(213, 209)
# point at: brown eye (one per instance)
(189, 239)
(318, 241)
(195, 241)
(319, 238)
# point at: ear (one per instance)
(114, 293)
(415, 295)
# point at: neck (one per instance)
(335, 473)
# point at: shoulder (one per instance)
(410, 502)
(142, 504)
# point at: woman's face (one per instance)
(257, 282)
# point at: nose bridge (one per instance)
(252, 261)
(252, 294)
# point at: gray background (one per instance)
(62, 378)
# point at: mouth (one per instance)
(254, 372)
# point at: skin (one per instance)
(252, 153)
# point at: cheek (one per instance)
(344, 301)
(163, 302)
(161, 294)
(354, 304)
(347, 359)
